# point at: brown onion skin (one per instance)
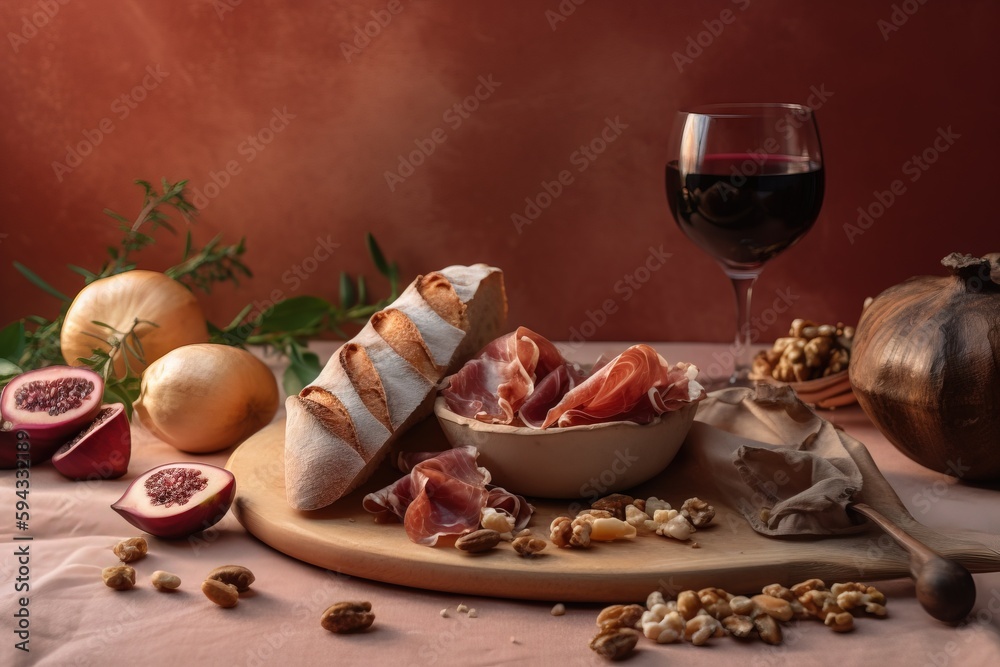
(925, 367)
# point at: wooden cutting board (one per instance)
(343, 538)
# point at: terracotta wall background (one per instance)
(887, 76)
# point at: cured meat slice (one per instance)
(635, 386)
(444, 493)
(549, 392)
(493, 386)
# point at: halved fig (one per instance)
(177, 499)
(100, 451)
(51, 403)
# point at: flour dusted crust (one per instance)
(382, 381)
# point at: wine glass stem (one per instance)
(743, 288)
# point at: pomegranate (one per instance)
(49, 405)
(177, 499)
(100, 451)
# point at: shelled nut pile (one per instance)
(698, 616)
(810, 351)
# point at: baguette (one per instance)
(382, 381)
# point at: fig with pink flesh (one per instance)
(51, 404)
(178, 499)
(100, 451)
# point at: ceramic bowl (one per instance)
(573, 462)
(833, 391)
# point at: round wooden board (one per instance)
(344, 538)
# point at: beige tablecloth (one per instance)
(75, 620)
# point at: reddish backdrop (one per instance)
(202, 76)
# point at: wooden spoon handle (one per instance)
(920, 552)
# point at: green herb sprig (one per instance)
(284, 328)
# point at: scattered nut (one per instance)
(698, 512)
(461, 609)
(498, 520)
(478, 541)
(236, 575)
(777, 608)
(701, 628)
(131, 549)
(119, 577)
(779, 591)
(665, 630)
(528, 546)
(619, 616)
(344, 617)
(610, 529)
(165, 581)
(688, 604)
(639, 504)
(473, 613)
(223, 594)
(767, 628)
(566, 532)
(558, 609)
(616, 644)
(738, 625)
(615, 503)
(840, 621)
(742, 605)
(595, 514)
(444, 613)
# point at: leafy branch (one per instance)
(284, 328)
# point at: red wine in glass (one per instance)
(744, 182)
(745, 220)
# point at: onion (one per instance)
(118, 300)
(925, 367)
(203, 398)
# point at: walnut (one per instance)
(742, 605)
(768, 629)
(848, 600)
(595, 514)
(665, 630)
(698, 512)
(715, 601)
(701, 628)
(616, 644)
(620, 616)
(839, 621)
(131, 550)
(654, 598)
(738, 625)
(639, 504)
(615, 503)
(566, 532)
(527, 546)
(688, 604)
(779, 591)
(776, 607)
(800, 589)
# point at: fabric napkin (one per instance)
(783, 467)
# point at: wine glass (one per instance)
(744, 182)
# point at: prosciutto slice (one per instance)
(549, 392)
(493, 386)
(444, 494)
(635, 386)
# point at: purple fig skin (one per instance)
(189, 518)
(103, 453)
(41, 449)
(59, 430)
